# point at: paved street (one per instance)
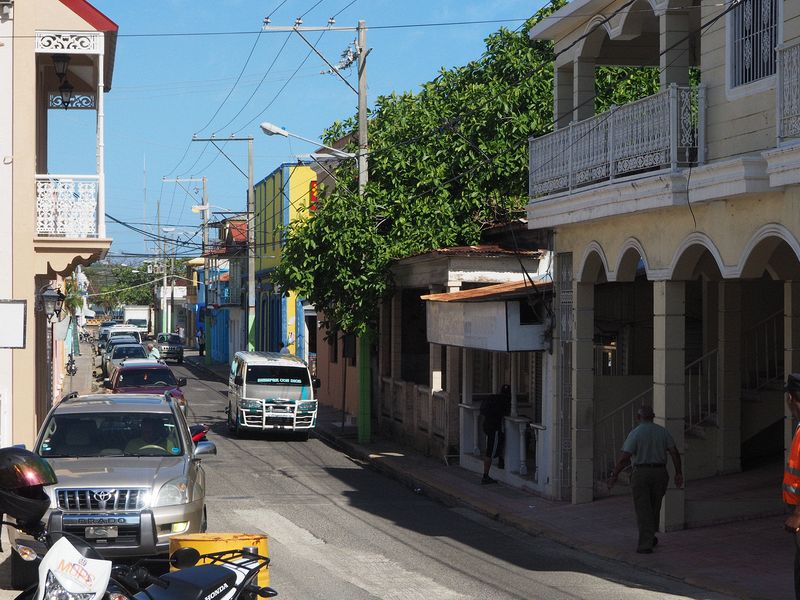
(340, 530)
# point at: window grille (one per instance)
(754, 37)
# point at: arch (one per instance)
(630, 254)
(633, 20)
(597, 31)
(593, 267)
(689, 256)
(771, 249)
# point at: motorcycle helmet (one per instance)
(22, 476)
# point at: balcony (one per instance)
(788, 93)
(67, 206)
(663, 132)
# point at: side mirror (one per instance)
(238, 380)
(204, 449)
(183, 558)
(315, 383)
(181, 381)
(107, 384)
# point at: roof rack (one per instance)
(70, 396)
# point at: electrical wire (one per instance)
(344, 9)
(312, 8)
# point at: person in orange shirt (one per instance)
(791, 475)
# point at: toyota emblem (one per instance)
(103, 496)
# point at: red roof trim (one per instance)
(91, 15)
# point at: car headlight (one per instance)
(250, 404)
(53, 590)
(172, 493)
(307, 406)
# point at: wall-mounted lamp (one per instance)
(60, 63)
(65, 89)
(52, 301)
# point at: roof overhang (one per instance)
(99, 22)
(562, 22)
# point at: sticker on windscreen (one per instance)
(175, 450)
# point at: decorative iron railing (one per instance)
(702, 384)
(762, 355)
(662, 131)
(788, 92)
(66, 206)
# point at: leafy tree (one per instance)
(445, 163)
(122, 285)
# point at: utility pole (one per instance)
(206, 319)
(179, 180)
(361, 53)
(251, 246)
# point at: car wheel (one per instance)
(23, 573)
(180, 361)
(233, 426)
(303, 435)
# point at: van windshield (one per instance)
(277, 375)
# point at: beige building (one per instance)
(54, 55)
(677, 235)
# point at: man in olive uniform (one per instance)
(647, 447)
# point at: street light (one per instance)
(271, 129)
(52, 302)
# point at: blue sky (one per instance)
(167, 88)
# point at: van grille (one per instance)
(101, 499)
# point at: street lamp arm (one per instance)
(270, 129)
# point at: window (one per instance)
(752, 38)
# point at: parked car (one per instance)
(120, 352)
(101, 360)
(129, 475)
(170, 346)
(146, 376)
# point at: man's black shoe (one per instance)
(486, 480)
(644, 550)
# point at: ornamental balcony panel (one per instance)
(788, 93)
(67, 206)
(661, 132)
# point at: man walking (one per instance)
(791, 475)
(647, 447)
(493, 409)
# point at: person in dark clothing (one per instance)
(493, 409)
(201, 342)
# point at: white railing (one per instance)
(702, 383)
(788, 92)
(422, 407)
(612, 430)
(762, 352)
(438, 413)
(67, 206)
(665, 130)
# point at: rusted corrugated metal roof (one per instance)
(482, 249)
(498, 291)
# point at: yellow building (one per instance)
(283, 196)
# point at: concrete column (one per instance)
(729, 393)
(791, 341)
(583, 393)
(562, 96)
(583, 89)
(668, 381)
(674, 48)
(453, 383)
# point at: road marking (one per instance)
(376, 574)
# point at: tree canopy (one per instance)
(117, 285)
(444, 163)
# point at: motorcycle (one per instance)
(199, 431)
(71, 569)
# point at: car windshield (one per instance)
(129, 351)
(110, 434)
(170, 339)
(146, 378)
(277, 375)
(137, 322)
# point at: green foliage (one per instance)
(445, 163)
(121, 285)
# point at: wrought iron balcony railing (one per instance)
(788, 92)
(67, 206)
(663, 131)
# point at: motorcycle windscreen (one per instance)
(64, 569)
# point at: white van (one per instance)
(267, 390)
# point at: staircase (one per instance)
(700, 390)
(762, 355)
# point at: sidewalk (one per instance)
(751, 559)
